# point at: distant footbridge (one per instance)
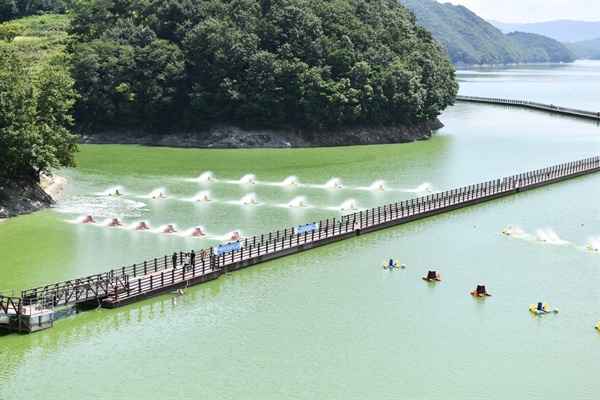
(530, 104)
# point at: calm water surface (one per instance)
(331, 323)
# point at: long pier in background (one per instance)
(530, 104)
(33, 309)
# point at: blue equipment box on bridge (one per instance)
(306, 228)
(226, 248)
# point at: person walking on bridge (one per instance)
(186, 262)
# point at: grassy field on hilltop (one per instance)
(45, 36)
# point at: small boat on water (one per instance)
(160, 196)
(252, 201)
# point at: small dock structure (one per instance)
(33, 309)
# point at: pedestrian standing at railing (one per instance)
(192, 259)
(186, 262)
(174, 260)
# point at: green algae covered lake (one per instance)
(330, 322)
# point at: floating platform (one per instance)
(27, 318)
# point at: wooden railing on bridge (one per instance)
(127, 284)
(531, 104)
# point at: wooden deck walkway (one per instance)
(530, 104)
(33, 308)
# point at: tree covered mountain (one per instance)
(311, 64)
(539, 48)
(471, 40)
(587, 49)
(562, 30)
(13, 9)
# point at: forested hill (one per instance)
(587, 49)
(316, 65)
(562, 30)
(471, 40)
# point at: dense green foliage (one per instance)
(587, 49)
(45, 25)
(13, 9)
(313, 64)
(538, 48)
(44, 38)
(34, 117)
(471, 40)
(9, 31)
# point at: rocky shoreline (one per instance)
(225, 136)
(24, 195)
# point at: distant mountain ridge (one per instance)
(586, 49)
(470, 40)
(561, 30)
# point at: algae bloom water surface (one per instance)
(330, 322)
